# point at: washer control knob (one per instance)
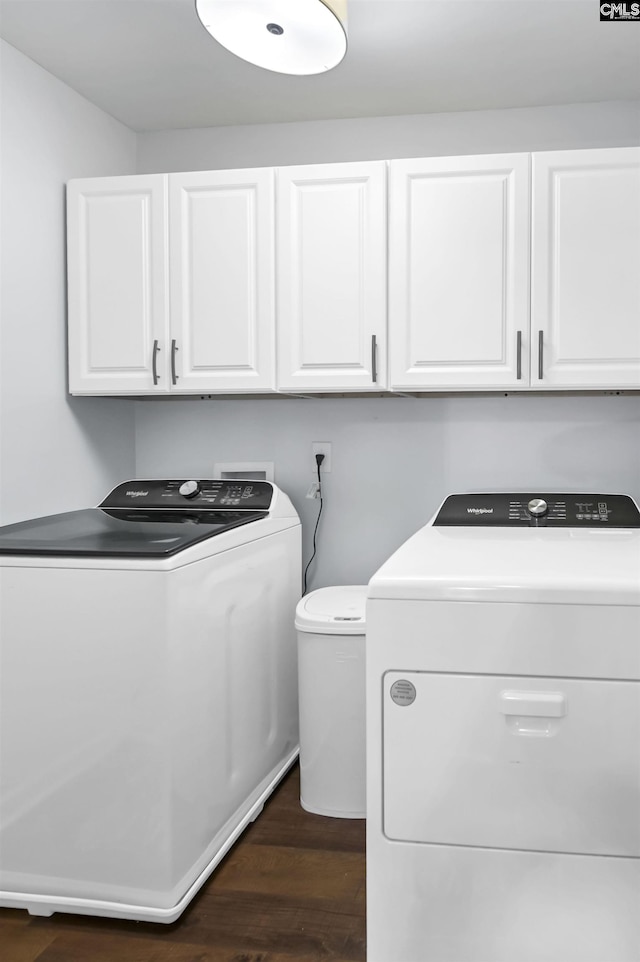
(189, 489)
(537, 507)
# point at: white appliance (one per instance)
(148, 700)
(503, 734)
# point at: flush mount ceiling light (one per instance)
(287, 36)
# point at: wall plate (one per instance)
(244, 470)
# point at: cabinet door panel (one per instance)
(331, 277)
(458, 287)
(117, 284)
(585, 278)
(222, 283)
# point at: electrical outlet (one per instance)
(314, 490)
(321, 447)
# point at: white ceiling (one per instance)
(152, 65)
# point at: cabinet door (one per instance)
(117, 275)
(585, 317)
(459, 272)
(222, 281)
(331, 277)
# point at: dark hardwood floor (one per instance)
(291, 890)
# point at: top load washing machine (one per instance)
(148, 699)
(503, 727)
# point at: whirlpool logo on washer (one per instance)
(479, 510)
(137, 494)
(620, 11)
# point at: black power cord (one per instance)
(319, 460)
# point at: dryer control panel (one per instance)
(539, 509)
(190, 493)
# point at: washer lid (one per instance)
(532, 565)
(101, 533)
(337, 610)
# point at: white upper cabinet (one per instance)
(117, 271)
(171, 283)
(459, 272)
(222, 280)
(331, 277)
(586, 269)
(506, 272)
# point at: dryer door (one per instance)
(510, 762)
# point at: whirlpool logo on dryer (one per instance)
(137, 494)
(620, 11)
(479, 510)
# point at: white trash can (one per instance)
(331, 683)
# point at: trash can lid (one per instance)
(333, 611)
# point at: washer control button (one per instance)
(190, 489)
(537, 507)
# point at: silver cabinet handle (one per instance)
(154, 362)
(519, 355)
(174, 376)
(540, 355)
(374, 359)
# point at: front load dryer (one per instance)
(503, 734)
(148, 691)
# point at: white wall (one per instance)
(56, 452)
(380, 138)
(395, 459)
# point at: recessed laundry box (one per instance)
(331, 678)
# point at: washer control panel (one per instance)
(539, 509)
(189, 492)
